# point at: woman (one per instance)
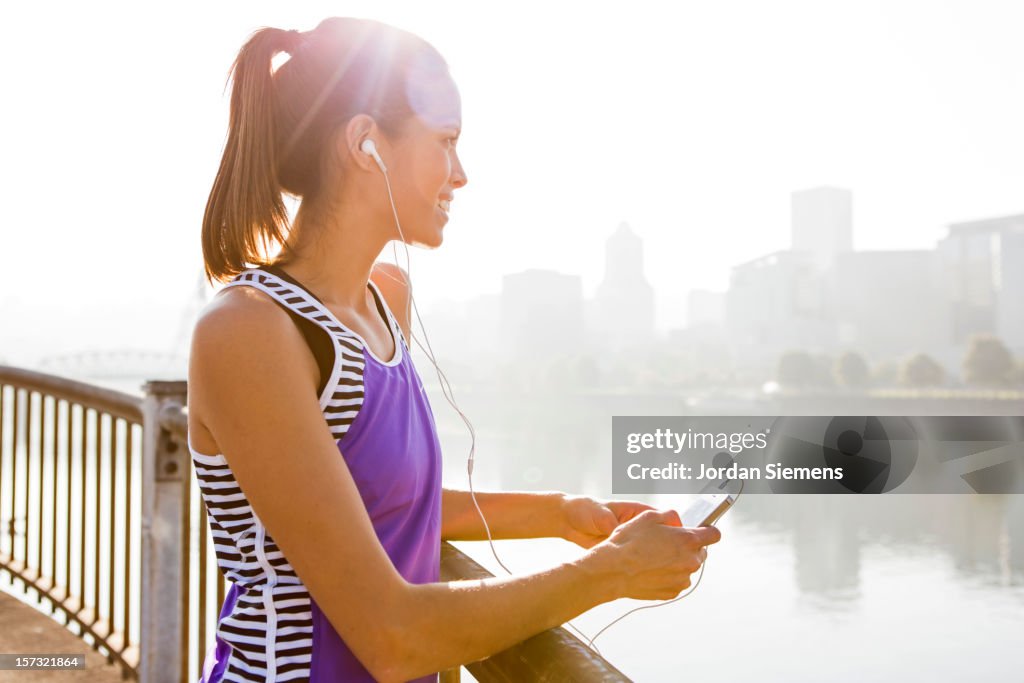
(311, 435)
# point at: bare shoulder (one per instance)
(237, 309)
(243, 341)
(241, 324)
(392, 281)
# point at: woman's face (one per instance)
(423, 163)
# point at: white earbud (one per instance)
(370, 147)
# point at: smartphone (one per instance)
(707, 509)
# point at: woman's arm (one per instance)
(512, 514)
(252, 390)
(530, 514)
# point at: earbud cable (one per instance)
(449, 396)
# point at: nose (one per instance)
(458, 176)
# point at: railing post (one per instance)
(164, 469)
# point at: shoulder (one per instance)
(392, 281)
(240, 312)
(244, 341)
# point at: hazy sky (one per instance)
(692, 121)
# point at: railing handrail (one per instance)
(117, 403)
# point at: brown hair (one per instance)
(282, 124)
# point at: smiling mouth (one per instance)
(445, 205)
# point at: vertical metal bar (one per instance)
(28, 474)
(186, 569)
(204, 574)
(14, 464)
(128, 536)
(53, 496)
(97, 451)
(66, 424)
(112, 497)
(83, 437)
(15, 433)
(40, 488)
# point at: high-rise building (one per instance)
(822, 224)
(984, 265)
(777, 303)
(623, 306)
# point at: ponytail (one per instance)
(245, 213)
(282, 123)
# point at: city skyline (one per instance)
(104, 205)
(812, 294)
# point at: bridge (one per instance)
(116, 364)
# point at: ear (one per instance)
(358, 128)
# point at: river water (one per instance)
(800, 588)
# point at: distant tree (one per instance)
(851, 370)
(664, 366)
(797, 369)
(885, 373)
(921, 370)
(987, 361)
(1017, 376)
(823, 376)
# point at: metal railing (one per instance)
(55, 436)
(129, 566)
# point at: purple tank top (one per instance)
(269, 626)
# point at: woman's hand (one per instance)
(652, 556)
(586, 522)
